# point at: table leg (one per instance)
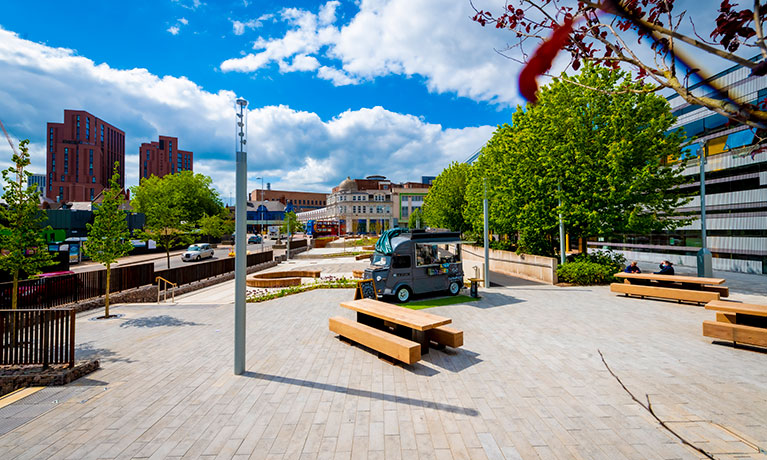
(421, 337)
(371, 321)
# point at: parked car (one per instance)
(197, 252)
(254, 239)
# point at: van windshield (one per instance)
(380, 260)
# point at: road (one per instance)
(160, 261)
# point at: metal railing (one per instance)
(204, 270)
(163, 282)
(37, 336)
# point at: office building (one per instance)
(37, 180)
(300, 201)
(163, 157)
(80, 155)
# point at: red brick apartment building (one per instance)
(80, 154)
(163, 157)
(301, 201)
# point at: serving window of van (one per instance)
(437, 254)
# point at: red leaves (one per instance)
(732, 26)
(542, 59)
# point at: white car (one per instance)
(197, 251)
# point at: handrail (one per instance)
(159, 289)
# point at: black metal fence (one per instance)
(296, 244)
(200, 271)
(53, 291)
(37, 336)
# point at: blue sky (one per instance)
(340, 88)
(336, 88)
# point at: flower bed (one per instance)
(329, 282)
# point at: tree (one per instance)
(416, 219)
(604, 158)
(290, 225)
(108, 236)
(604, 33)
(24, 250)
(217, 225)
(174, 205)
(444, 204)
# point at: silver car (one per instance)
(197, 251)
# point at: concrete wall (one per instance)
(536, 268)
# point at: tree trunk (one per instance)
(167, 255)
(15, 292)
(106, 299)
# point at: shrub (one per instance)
(503, 245)
(584, 272)
(615, 260)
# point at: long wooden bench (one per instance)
(383, 342)
(687, 295)
(737, 323)
(445, 335)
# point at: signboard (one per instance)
(366, 289)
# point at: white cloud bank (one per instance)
(292, 149)
(435, 40)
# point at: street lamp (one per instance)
(240, 237)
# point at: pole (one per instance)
(704, 255)
(240, 242)
(487, 241)
(262, 214)
(561, 228)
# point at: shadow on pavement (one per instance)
(86, 350)
(459, 358)
(363, 393)
(157, 321)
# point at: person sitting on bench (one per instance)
(666, 268)
(633, 268)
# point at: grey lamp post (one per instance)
(487, 235)
(704, 255)
(240, 238)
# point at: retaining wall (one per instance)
(535, 268)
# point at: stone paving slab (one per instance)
(529, 383)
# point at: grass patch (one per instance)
(438, 302)
(262, 295)
(343, 254)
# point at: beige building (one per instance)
(369, 205)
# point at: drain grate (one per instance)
(17, 414)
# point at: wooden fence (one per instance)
(54, 291)
(204, 270)
(37, 336)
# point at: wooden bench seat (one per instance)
(388, 344)
(723, 291)
(445, 335)
(737, 322)
(687, 295)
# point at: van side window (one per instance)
(400, 262)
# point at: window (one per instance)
(147, 155)
(77, 129)
(87, 128)
(400, 261)
(354, 209)
(90, 161)
(433, 254)
(102, 134)
(66, 161)
(92, 190)
(364, 209)
(50, 141)
(61, 193)
(93, 179)
(404, 212)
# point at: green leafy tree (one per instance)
(416, 219)
(217, 225)
(290, 225)
(108, 236)
(605, 158)
(174, 205)
(446, 200)
(24, 250)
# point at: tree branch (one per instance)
(758, 28)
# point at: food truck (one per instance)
(416, 262)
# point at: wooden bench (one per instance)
(737, 323)
(680, 288)
(448, 336)
(383, 342)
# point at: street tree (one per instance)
(605, 33)
(416, 219)
(24, 250)
(444, 204)
(290, 225)
(605, 158)
(108, 236)
(174, 205)
(217, 225)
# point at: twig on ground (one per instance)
(648, 408)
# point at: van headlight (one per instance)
(378, 278)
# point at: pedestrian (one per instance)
(666, 268)
(632, 268)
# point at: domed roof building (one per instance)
(347, 185)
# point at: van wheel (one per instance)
(454, 288)
(403, 294)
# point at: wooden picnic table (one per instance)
(677, 287)
(738, 322)
(407, 323)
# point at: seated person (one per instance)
(633, 268)
(666, 268)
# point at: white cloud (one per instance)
(173, 30)
(183, 21)
(290, 148)
(435, 40)
(238, 27)
(189, 4)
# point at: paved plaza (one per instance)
(528, 383)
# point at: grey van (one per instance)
(416, 262)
